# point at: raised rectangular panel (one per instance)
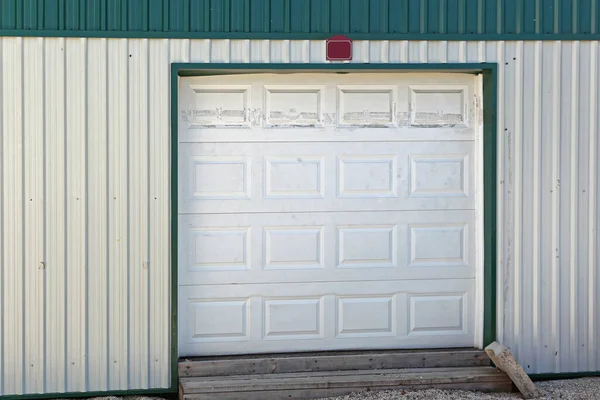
(294, 106)
(294, 247)
(438, 245)
(436, 314)
(218, 106)
(367, 105)
(367, 176)
(220, 249)
(289, 319)
(219, 320)
(294, 177)
(439, 175)
(367, 246)
(220, 178)
(366, 316)
(438, 105)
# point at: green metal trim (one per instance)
(490, 96)
(567, 375)
(164, 393)
(490, 90)
(174, 229)
(202, 69)
(298, 35)
(278, 18)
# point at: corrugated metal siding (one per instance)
(84, 189)
(84, 289)
(316, 17)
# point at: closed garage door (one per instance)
(327, 211)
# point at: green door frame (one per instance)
(490, 90)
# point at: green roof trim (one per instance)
(305, 19)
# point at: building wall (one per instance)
(85, 197)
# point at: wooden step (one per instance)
(331, 361)
(312, 385)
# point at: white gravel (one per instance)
(573, 389)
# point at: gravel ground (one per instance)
(573, 389)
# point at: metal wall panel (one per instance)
(84, 290)
(85, 198)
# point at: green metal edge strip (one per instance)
(565, 375)
(202, 69)
(490, 136)
(297, 35)
(490, 91)
(165, 393)
(174, 228)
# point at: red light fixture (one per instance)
(339, 48)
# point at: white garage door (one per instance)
(327, 211)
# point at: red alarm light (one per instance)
(339, 48)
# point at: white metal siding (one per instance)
(84, 188)
(85, 191)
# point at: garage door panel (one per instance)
(319, 247)
(324, 211)
(390, 314)
(277, 177)
(327, 107)
(327, 134)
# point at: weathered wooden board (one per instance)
(315, 362)
(504, 360)
(322, 384)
